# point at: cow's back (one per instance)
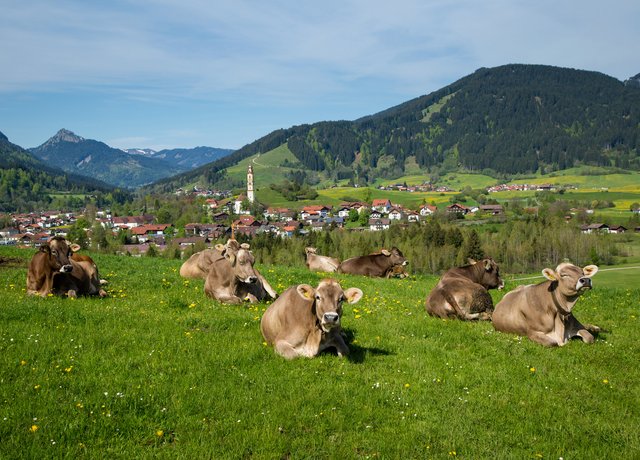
(370, 265)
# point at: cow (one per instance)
(462, 291)
(397, 271)
(304, 321)
(231, 277)
(319, 263)
(543, 312)
(53, 271)
(373, 264)
(198, 265)
(83, 279)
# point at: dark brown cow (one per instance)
(54, 256)
(83, 279)
(318, 263)
(53, 271)
(303, 321)
(462, 291)
(373, 264)
(544, 312)
(231, 277)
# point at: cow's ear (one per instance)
(590, 270)
(472, 261)
(245, 246)
(45, 248)
(230, 257)
(385, 252)
(353, 295)
(549, 274)
(487, 265)
(220, 247)
(75, 247)
(233, 244)
(305, 291)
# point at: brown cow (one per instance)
(232, 278)
(543, 312)
(318, 263)
(304, 321)
(83, 279)
(198, 265)
(52, 269)
(462, 291)
(373, 264)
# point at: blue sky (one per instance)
(163, 74)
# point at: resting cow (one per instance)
(543, 312)
(318, 263)
(462, 291)
(304, 321)
(373, 264)
(53, 271)
(198, 265)
(397, 271)
(231, 277)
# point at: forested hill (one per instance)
(509, 119)
(25, 181)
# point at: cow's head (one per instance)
(572, 280)
(58, 252)
(310, 250)
(488, 273)
(395, 256)
(327, 300)
(241, 260)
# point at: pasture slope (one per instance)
(156, 370)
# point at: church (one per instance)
(250, 196)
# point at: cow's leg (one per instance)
(285, 349)
(267, 287)
(71, 293)
(576, 329)
(542, 338)
(341, 346)
(251, 298)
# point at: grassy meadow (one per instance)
(156, 370)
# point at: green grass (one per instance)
(156, 370)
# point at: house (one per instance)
(427, 210)
(376, 225)
(617, 229)
(148, 232)
(382, 205)
(375, 215)
(131, 221)
(315, 210)
(457, 208)
(595, 228)
(413, 216)
(344, 211)
(237, 205)
(395, 214)
(493, 209)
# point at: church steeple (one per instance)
(250, 195)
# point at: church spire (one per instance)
(250, 195)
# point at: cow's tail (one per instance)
(454, 304)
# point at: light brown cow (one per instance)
(318, 263)
(543, 312)
(462, 291)
(52, 269)
(373, 264)
(305, 321)
(198, 265)
(231, 277)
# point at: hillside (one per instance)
(501, 121)
(25, 180)
(96, 159)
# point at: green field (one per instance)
(156, 370)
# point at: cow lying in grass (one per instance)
(303, 321)
(318, 263)
(228, 273)
(544, 312)
(373, 264)
(462, 291)
(53, 270)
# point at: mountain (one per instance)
(25, 181)
(633, 81)
(184, 158)
(505, 120)
(96, 159)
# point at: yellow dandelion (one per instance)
(532, 369)
(407, 385)
(34, 428)
(192, 305)
(68, 369)
(23, 362)
(36, 387)
(357, 316)
(605, 381)
(159, 433)
(264, 344)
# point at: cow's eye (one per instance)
(317, 297)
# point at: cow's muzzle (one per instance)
(66, 268)
(584, 283)
(330, 320)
